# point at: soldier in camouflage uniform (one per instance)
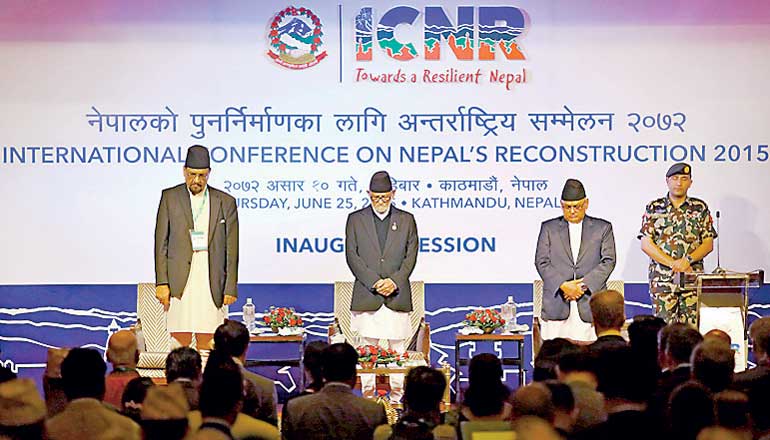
(677, 233)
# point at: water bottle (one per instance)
(508, 312)
(248, 315)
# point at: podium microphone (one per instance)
(719, 269)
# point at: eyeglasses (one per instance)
(381, 198)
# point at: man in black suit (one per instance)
(676, 343)
(760, 339)
(608, 312)
(334, 412)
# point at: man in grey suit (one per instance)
(381, 249)
(334, 412)
(575, 256)
(196, 252)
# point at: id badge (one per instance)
(198, 240)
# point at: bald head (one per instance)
(122, 349)
(533, 400)
(608, 310)
(719, 335)
(534, 428)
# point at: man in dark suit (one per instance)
(608, 313)
(575, 256)
(334, 412)
(232, 338)
(381, 249)
(196, 252)
(760, 339)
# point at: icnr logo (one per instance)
(498, 28)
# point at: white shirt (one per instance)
(575, 236)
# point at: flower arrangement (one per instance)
(487, 320)
(368, 355)
(281, 317)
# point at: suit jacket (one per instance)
(607, 342)
(369, 263)
(260, 401)
(173, 249)
(332, 413)
(91, 419)
(745, 380)
(553, 260)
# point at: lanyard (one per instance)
(200, 208)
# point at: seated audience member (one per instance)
(123, 354)
(312, 360)
(22, 411)
(759, 332)
(718, 334)
(577, 369)
(486, 396)
(85, 415)
(5, 373)
(534, 428)
(164, 413)
(221, 397)
(625, 390)
(759, 402)
(421, 419)
(260, 400)
(713, 363)
(643, 340)
(133, 397)
(608, 312)
(731, 409)
(564, 407)
(548, 356)
(183, 366)
(677, 341)
(334, 412)
(720, 433)
(53, 390)
(533, 400)
(690, 409)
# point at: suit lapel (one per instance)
(367, 218)
(564, 235)
(585, 235)
(184, 203)
(215, 207)
(395, 220)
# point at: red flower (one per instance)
(267, 319)
(292, 322)
(471, 318)
(372, 349)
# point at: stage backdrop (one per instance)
(480, 111)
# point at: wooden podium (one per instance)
(724, 290)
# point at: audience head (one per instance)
(564, 405)
(679, 340)
(183, 363)
(423, 390)
(615, 366)
(83, 373)
(643, 333)
(607, 310)
(548, 357)
(313, 362)
(339, 363)
(232, 338)
(731, 409)
(133, 397)
(221, 392)
(759, 401)
(486, 393)
(22, 410)
(533, 400)
(720, 433)
(713, 363)
(122, 349)
(164, 413)
(690, 409)
(759, 331)
(580, 364)
(718, 334)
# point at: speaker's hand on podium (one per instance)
(163, 294)
(229, 299)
